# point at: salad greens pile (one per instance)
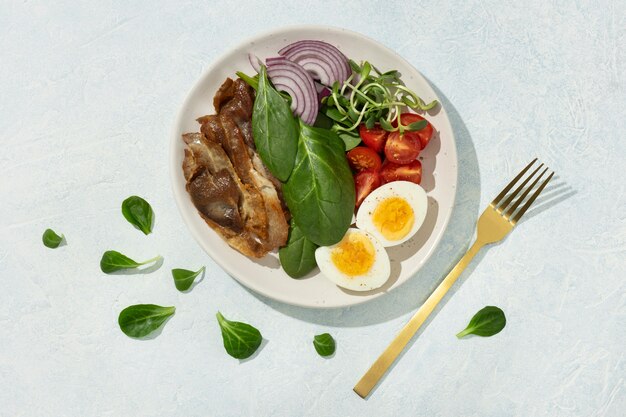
(370, 96)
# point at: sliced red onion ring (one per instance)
(320, 70)
(317, 55)
(291, 78)
(288, 87)
(297, 88)
(324, 51)
(314, 52)
(255, 62)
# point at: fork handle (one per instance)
(387, 358)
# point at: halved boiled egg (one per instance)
(394, 212)
(359, 262)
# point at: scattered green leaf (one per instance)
(487, 322)
(51, 239)
(142, 319)
(138, 213)
(114, 261)
(240, 339)
(298, 257)
(183, 278)
(324, 344)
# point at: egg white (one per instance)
(372, 279)
(412, 193)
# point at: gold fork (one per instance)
(493, 225)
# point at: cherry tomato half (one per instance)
(373, 138)
(393, 172)
(402, 149)
(365, 181)
(361, 158)
(424, 135)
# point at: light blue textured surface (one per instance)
(88, 96)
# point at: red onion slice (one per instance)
(307, 52)
(291, 78)
(288, 87)
(303, 101)
(313, 54)
(330, 49)
(324, 51)
(255, 62)
(320, 70)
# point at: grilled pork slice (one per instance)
(222, 199)
(261, 220)
(232, 142)
(237, 103)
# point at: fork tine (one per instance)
(517, 191)
(531, 200)
(512, 209)
(496, 200)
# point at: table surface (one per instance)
(89, 94)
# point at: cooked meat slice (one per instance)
(224, 93)
(225, 131)
(278, 226)
(219, 195)
(217, 198)
(271, 216)
(278, 187)
(223, 171)
(239, 108)
(232, 143)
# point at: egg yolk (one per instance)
(393, 218)
(354, 255)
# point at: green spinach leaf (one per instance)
(350, 140)
(142, 319)
(138, 213)
(183, 278)
(320, 191)
(274, 128)
(323, 121)
(251, 81)
(487, 322)
(114, 261)
(324, 344)
(51, 239)
(240, 339)
(298, 257)
(419, 125)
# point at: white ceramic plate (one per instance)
(265, 276)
